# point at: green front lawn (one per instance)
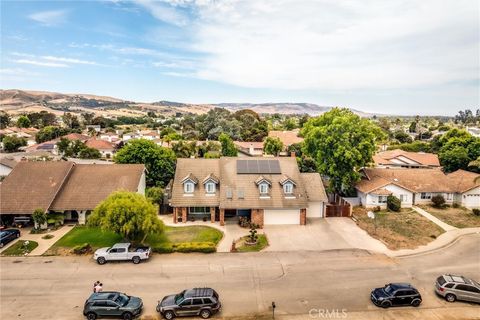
(18, 248)
(172, 236)
(261, 244)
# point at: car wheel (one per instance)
(205, 314)
(91, 316)
(386, 304)
(101, 260)
(450, 297)
(169, 315)
(416, 302)
(136, 260)
(127, 316)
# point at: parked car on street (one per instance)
(396, 294)
(453, 288)
(112, 304)
(121, 251)
(8, 235)
(203, 302)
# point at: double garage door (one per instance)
(287, 216)
(472, 200)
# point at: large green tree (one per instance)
(457, 148)
(159, 161)
(341, 143)
(23, 122)
(13, 143)
(127, 213)
(272, 145)
(50, 132)
(4, 119)
(228, 147)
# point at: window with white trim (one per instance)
(449, 196)
(403, 198)
(188, 187)
(288, 188)
(425, 195)
(263, 188)
(210, 187)
(382, 199)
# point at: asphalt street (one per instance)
(56, 287)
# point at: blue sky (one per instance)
(397, 57)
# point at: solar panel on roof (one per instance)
(274, 166)
(253, 166)
(242, 166)
(263, 166)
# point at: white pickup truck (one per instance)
(120, 252)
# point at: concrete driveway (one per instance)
(321, 234)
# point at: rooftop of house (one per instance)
(287, 137)
(8, 162)
(400, 157)
(248, 144)
(238, 183)
(99, 144)
(417, 180)
(64, 185)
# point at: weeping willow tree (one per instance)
(127, 213)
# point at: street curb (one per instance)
(446, 245)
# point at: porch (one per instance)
(211, 214)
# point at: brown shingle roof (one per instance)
(390, 156)
(99, 144)
(8, 162)
(89, 184)
(417, 180)
(32, 185)
(287, 137)
(314, 187)
(381, 192)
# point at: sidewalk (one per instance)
(434, 219)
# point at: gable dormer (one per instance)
(210, 184)
(263, 185)
(189, 183)
(288, 185)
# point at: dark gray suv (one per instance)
(202, 302)
(112, 304)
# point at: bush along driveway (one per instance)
(173, 239)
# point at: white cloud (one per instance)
(164, 11)
(68, 60)
(49, 18)
(41, 63)
(347, 45)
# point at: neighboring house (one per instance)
(6, 166)
(417, 186)
(63, 186)
(474, 131)
(95, 127)
(253, 149)
(267, 191)
(149, 135)
(288, 137)
(130, 136)
(26, 133)
(107, 149)
(51, 145)
(403, 159)
(109, 136)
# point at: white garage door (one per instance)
(290, 216)
(472, 200)
(315, 210)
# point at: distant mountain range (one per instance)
(20, 101)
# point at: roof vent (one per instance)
(395, 179)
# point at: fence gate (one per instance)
(337, 210)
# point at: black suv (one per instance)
(112, 304)
(396, 294)
(201, 302)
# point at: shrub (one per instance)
(455, 205)
(82, 248)
(163, 248)
(39, 218)
(186, 247)
(476, 212)
(48, 236)
(376, 209)
(393, 203)
(438, 201)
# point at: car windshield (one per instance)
(122, 300)
(3, 233)
(179, 298)
(388, 289)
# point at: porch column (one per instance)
(212, 214)
(257, 217)
(303, 216)
(82, 217)
(222, 216)
(184, 214)
(175, 215)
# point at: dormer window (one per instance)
(210, 187)
(263, 188)
(288, 188)
(188, 187)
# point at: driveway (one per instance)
(321, 234)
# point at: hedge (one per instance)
(185, 247)
(82, 248)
